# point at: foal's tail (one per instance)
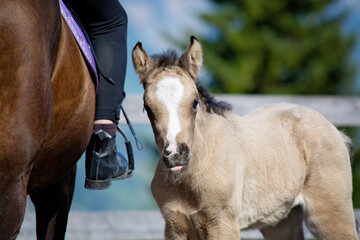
(349, 146)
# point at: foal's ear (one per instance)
(191, 59)
(142, 62)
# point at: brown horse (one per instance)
(220, 172)
(47, 102)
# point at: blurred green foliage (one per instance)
(281, 47)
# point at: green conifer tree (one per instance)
(282, 46)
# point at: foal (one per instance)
(220, 173)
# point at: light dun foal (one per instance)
(219, 172)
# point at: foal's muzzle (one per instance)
(176, 161)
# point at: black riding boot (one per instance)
(103, 163)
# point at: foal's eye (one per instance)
(195, 104)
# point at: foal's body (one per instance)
(268, 170)
(248, 172)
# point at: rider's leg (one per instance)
(106, 23)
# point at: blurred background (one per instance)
(307, 47)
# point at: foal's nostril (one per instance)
(166, 153)
(183, 149)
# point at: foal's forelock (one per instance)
(170, 91)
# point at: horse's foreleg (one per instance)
(288, 228)
(12, 207)
(52, 206)
(26, 63)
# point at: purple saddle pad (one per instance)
(80, 39)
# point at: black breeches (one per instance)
(106, 23)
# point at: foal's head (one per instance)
(170, 99)
(173, 100)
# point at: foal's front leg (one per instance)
(216, 225)
(178, 226)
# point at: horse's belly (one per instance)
(64, 146)
(72, 114)
(56, 159)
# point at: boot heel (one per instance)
(97, 184)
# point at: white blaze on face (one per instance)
(169, 92)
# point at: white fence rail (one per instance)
(340, 110)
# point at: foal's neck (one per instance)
(208, 129)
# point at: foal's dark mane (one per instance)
(166, 59)
(170, 58)
(212, 105)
